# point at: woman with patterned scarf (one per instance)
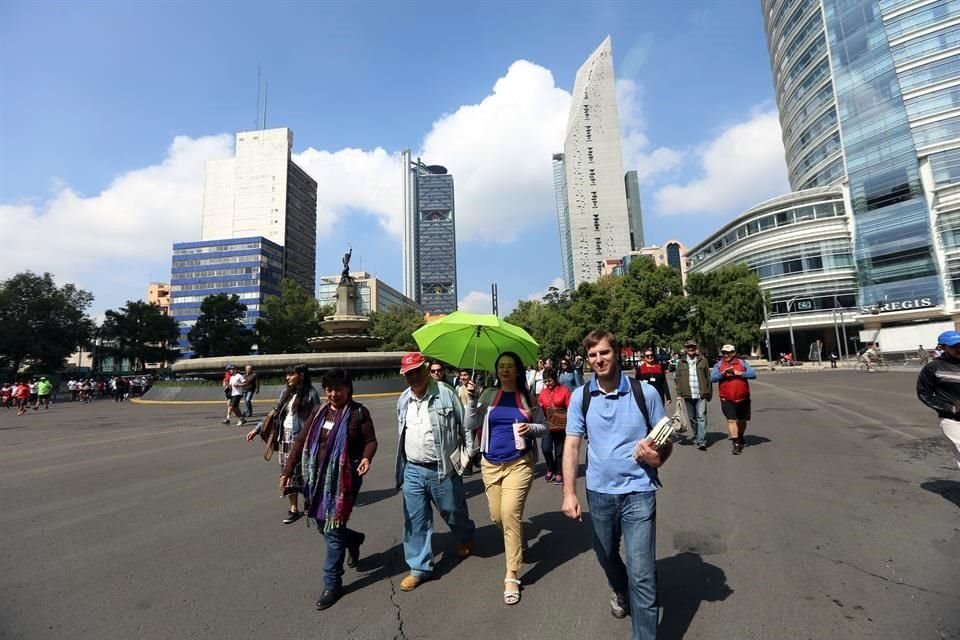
(296, 403)
(335, 447)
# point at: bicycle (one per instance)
(877, 365)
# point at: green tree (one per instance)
(42, 323)
(726, 306)
(289, 320)
(644, 307)
(396, 327)
(219, 330)
(649, 307)
(141, 333)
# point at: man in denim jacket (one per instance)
(431, 430)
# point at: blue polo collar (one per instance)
(621, 390)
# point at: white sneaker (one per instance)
(619, 605)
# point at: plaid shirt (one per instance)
(694, 382)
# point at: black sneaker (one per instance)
(735, 448)
(293, 516)
(353, 552)
(328, 598)
(619, 605)
(702, 447)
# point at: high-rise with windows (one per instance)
(869, 98)
(595, 210)
(429, 236)
(250, 268)
(563, 218)
(262, 192)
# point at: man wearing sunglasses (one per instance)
(693, 385)
(732, 374)
(651, 371)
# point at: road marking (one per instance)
(826, 396)
(220, 402)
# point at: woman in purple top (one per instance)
(509, 419)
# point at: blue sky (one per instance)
(108, 112)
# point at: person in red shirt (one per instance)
(23, 397)
(732, 374)
(554, 400)
(652, 373)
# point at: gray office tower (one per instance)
(429, 236)
(634, 211)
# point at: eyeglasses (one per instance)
(648, 355)
(727, 353)
(436, 370)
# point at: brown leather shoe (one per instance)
(465, 550)
(410, 583)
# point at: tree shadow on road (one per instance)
(390, 562)
(684, 582)
(366, 498)
(949, 489)
(563, 541)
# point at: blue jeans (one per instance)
(248, 401)
(634, 517)
(697, 410)
(421, 488)
(338, 539)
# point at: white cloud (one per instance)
(354, 179)
(136, 218)
(498, 151)
(636, 146)
(742, 166)
(499, 154)
(476, 302)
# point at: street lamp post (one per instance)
(766, 323)
(793, 346)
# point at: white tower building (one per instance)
(599, 225)
(262, 192)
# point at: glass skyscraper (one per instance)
(869, 99)
(429, 236)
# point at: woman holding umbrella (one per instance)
(508, 419)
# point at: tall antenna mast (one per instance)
(256, 121)
(266, 90)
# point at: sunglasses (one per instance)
(727, 353)
(436, 370)
(648, 355)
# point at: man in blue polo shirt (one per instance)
(621, 480)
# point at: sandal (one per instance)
(511, 597)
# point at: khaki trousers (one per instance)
(507, 486)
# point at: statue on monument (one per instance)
(345, 274)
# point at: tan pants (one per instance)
(507, 486)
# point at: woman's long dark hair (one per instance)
(301, 404)
(521, 374)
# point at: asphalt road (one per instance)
(840, 520)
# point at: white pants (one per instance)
(951, 429)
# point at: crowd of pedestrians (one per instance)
(40, 391)
(327, 443)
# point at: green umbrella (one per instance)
(474, 341)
